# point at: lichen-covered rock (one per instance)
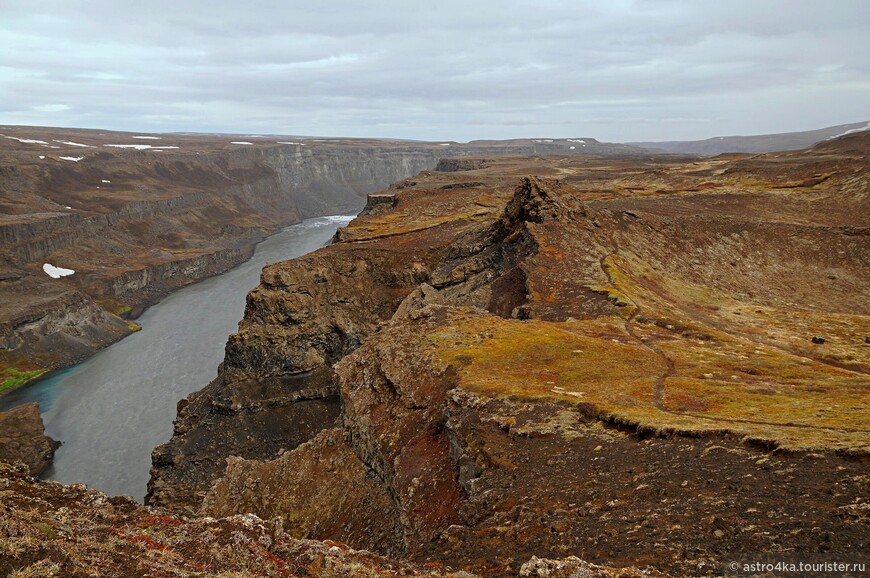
(611, 362)
(319, 489)
(48, 529)
(573, 567)
(23, 439)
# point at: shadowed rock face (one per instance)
(51, 529)
(137, 224)
(23, 439)
(613, 360)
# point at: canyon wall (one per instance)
(134, 225)
(616, 362)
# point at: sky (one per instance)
(616, 70)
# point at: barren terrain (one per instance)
(134, 216)
(612, 358)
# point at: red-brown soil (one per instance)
(605, 357)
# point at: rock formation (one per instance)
(136, 219)
(23, 439)
(611, 360)
(48, 529)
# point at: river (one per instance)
(111, 410)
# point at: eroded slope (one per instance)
(613, 359)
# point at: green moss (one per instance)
(13, 377)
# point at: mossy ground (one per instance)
(12, 377)
(714, 374)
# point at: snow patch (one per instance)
(27, 140)
(74, 144)
(41, 157)
(56, 272)
(139, 147)
(572, 148)
(445, 144)
(148, 137)
(105, 181)
(577, 140)
(73, 159)
(67, 207)
(302, 144)
(242, 142)
(850, 131)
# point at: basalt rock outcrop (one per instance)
(48, 529)
(611, 360)
(23, 439)
(137, 216)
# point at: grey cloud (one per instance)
(617, 70)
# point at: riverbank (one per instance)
(112, 409)
(128, 226)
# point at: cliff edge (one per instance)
(612, 359)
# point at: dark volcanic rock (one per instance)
(53, 530)
(610, 363)
(23, 439)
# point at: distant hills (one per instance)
(761, 143)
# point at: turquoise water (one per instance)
(111, 410)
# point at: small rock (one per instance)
(818, 339)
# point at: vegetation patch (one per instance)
(11, 377)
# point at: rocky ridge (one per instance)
(137, 216)
(612, 359)
(48, 529)
(23, 439)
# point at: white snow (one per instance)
(577, 140)
(244, 142)
(27, 140)
(148, 137)
(73, 159)
(67, 207)
(105, 181)
(56, 272)
(542, 140)
(850, 131)
(292, 143)
(138, 147)
(73, 144)
(572, 148)
(445, 144)
(41, 157)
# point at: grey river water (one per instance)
(112, 409)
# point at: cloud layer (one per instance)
(615, 70)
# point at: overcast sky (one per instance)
(616, 70)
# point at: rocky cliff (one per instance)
(135, 224)
(47, 529)
(614, 359)
(23, 439)
(136, 216)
